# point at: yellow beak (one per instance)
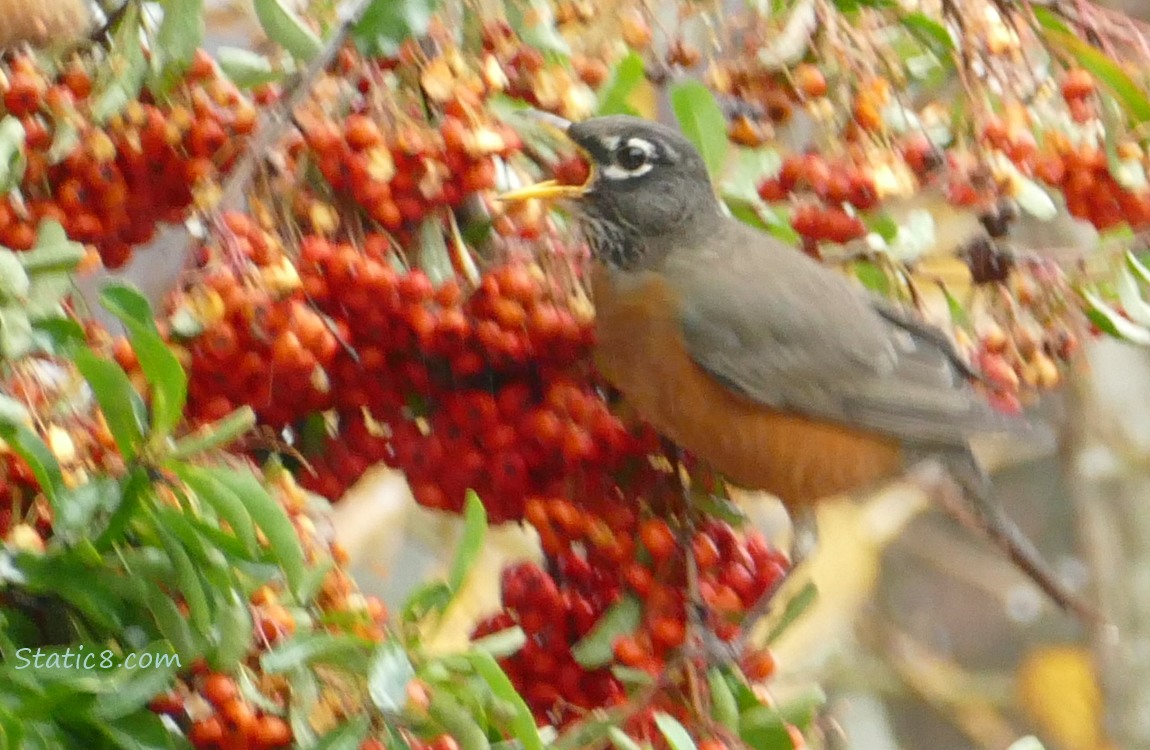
(546, 190)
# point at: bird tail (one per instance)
(978, 510)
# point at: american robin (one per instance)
(775, 369)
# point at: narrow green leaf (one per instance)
(795, 607)
(958, 314)
(1108, 72)
(881, 224)
(222, 499)
(501, 644)
(133, 489)
(187, 581)
(474, 532)
(16, 338)
(675, 733)
(53, 250)
(433, 596)
(614, 96)
(125, 73)
(143, 730)
(180, 34)
(763, 727)
(1140, 271)
(347, 736)
(12, 159)
(311, 648)
(1111, 322)
(233, 632)
(388, 677)
(724, 708)
(930, 32)
(523, 726)
(449, 714)
(65, 334)
(165, 374)
(621, 740)
(80, 506)
(142, 676)
(872, 276)
(245, 68)
(173, 626)
(122, 407)
(288, 30)
(272, 519)
(703, 122)
(386, 24)
(28, 446)
(596, 649)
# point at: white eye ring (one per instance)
(615, 171)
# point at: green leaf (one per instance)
(386, 24)
(930, 33)
(872, 276)
(272, 519)
(502, 644)
(1105, 70)
(795, 607)
(64, 333)
(450, 714)
(233, 632)
(596, 649)
(143, 730)
(78, 507)
(134, 488)
(16, 338)
(676, 733)
(28, 446)
(388, 676)
(724, 708)
(621, 740)
(288, 30)
(125, 73)
(958, 314)
(881, 224)
(12, 159)
(523, 726)
(1111, 322)
(173, 626)
(762, 727)
(187, 581)
(142, 676)
(14, 281)
(245, 68)
(12, 410)
(801, 710)
(474, 532)
(122, 406)
(53, 251)
(614, 96)
(433, 596)
(180, 34)
(165, 374)
(347, 736)
(311, 648)
(65, 139)
(770, 219)
(702, 122)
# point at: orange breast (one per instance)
(640, 350)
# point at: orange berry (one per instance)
(658, 538)
(218, 689)
(810, 81)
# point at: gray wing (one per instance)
(804, 338)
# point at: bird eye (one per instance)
(631, 157)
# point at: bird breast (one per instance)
(641, 352)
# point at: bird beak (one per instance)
(546, 190)
(549, 190)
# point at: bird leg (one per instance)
(962, 490)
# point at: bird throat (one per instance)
(612, 243)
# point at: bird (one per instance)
(778, 371)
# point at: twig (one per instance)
(276, 121)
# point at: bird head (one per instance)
(648, 184)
